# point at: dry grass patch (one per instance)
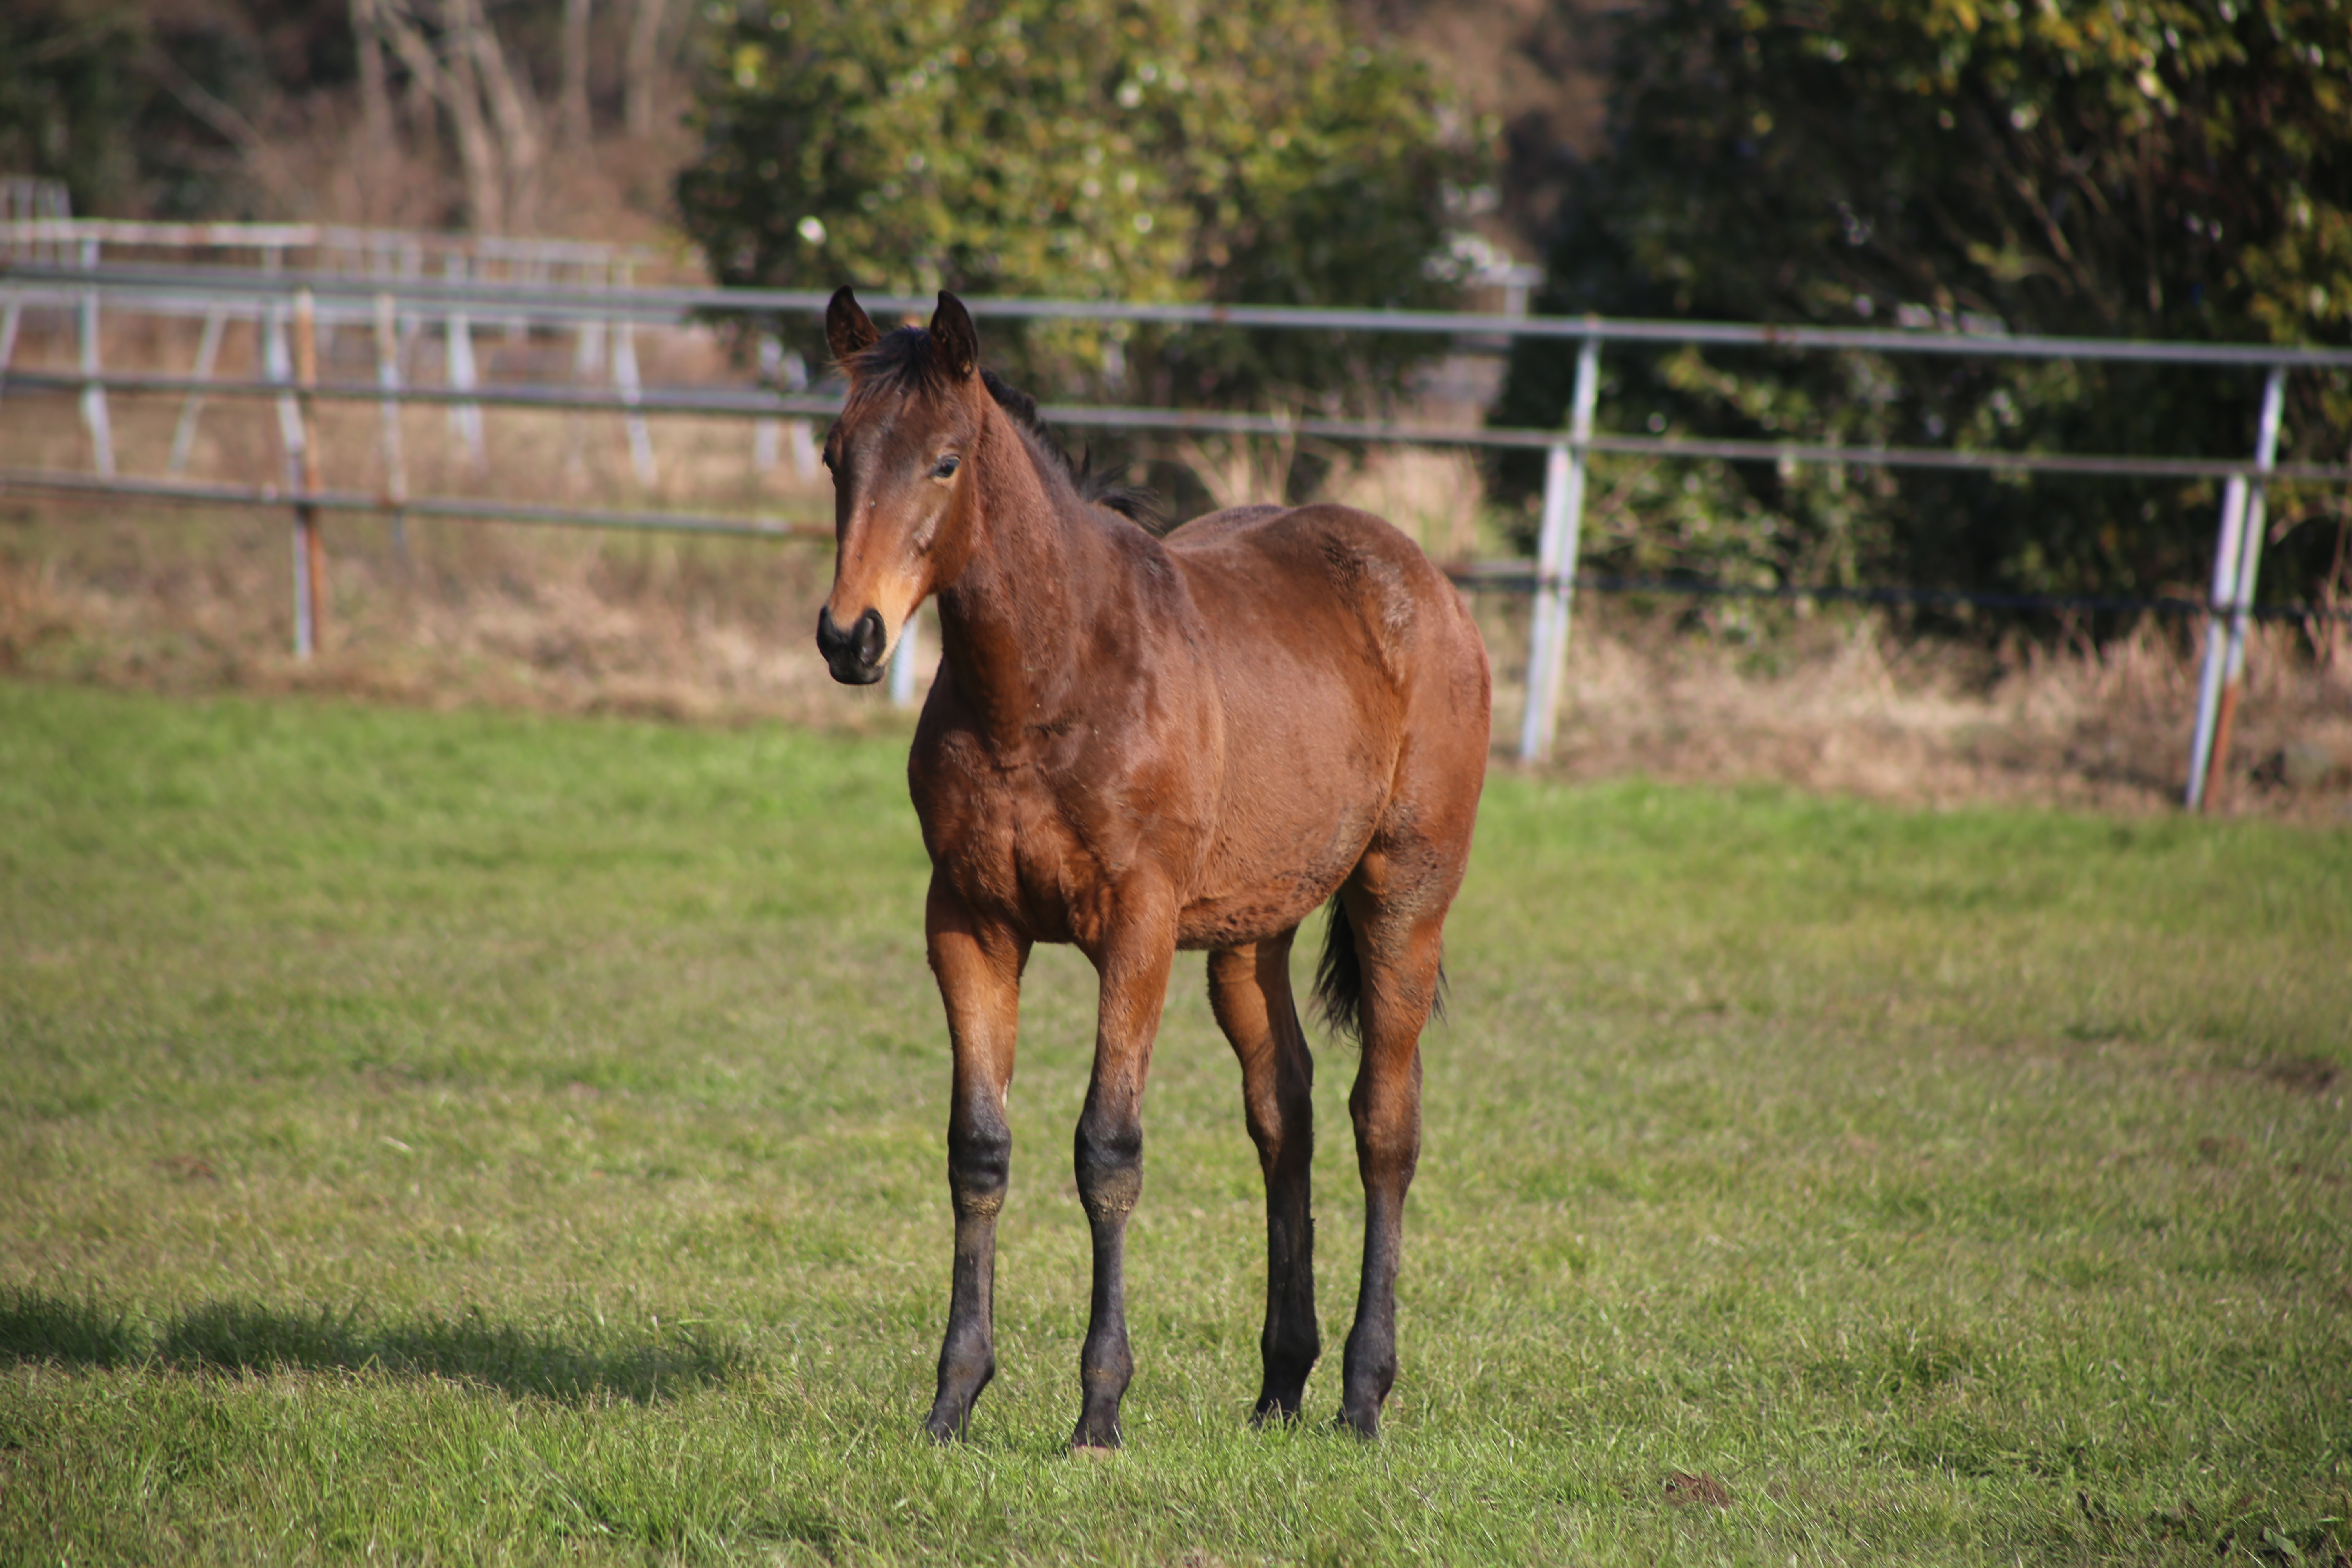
(1840, 702)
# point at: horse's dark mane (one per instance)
(905, 360)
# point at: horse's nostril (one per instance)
(855, 654)
(870, 637)
(830, 637)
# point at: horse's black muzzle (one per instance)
(855, 656)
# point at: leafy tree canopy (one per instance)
(1150, 150)
(2114, 168)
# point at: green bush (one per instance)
(2129, 170)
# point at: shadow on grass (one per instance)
(240, 1336)
(34, 1326)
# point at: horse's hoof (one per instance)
(947, 1426)
(1365, 1427)
(1273, 1414)
(1096, 1435)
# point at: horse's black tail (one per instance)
(1339, 979)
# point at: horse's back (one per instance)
(1333, 588)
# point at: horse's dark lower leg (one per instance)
(979, 970)
(1399, 984)
(979, 1155)
(1388, 1146)
(1109, 1159)
(1110, 1179)
(1249, 990)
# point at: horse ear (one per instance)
(953, 336)
(848, 330)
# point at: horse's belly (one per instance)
(1285, 851)
(1214, 925)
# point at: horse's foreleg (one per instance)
(1400, 970)
(1109, 1156)
(979, 969)
(1249, 990)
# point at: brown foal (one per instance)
(1139, 744)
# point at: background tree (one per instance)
(1092, 148)
(450, 49)
(166, 110)
(2128, 168)
(67, 81)
(414, 113)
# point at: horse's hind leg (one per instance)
(1249, 989)
(1399, 942)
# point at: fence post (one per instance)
(796, 431)
(764, 431)
(532, 271)
(412, 320)
(2209, 684)
(277, 364)
(625, 376)
(587, 358)
(465, 418)
(781, 365)
(93, 395)
(1555, 550)
(184, 439)
(9, 322)
(902, 661)
(2237, 559)
(387, 381)
(302, 478)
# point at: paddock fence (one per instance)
(376, 284)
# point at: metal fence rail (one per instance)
(1519, 577)
(674, 304)
(205, 493)
(753, 402)
(398, 305)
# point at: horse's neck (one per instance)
(1012, 622)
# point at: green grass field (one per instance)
(431, 1137)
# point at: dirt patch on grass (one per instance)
(1683, 1491)
(2303, 1075)
(2313, 1076)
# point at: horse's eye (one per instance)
(946, 466)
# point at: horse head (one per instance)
(900, 456)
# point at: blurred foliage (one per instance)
(155, 110)
(68, 89)
(2123, 169)
(1142, 150)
